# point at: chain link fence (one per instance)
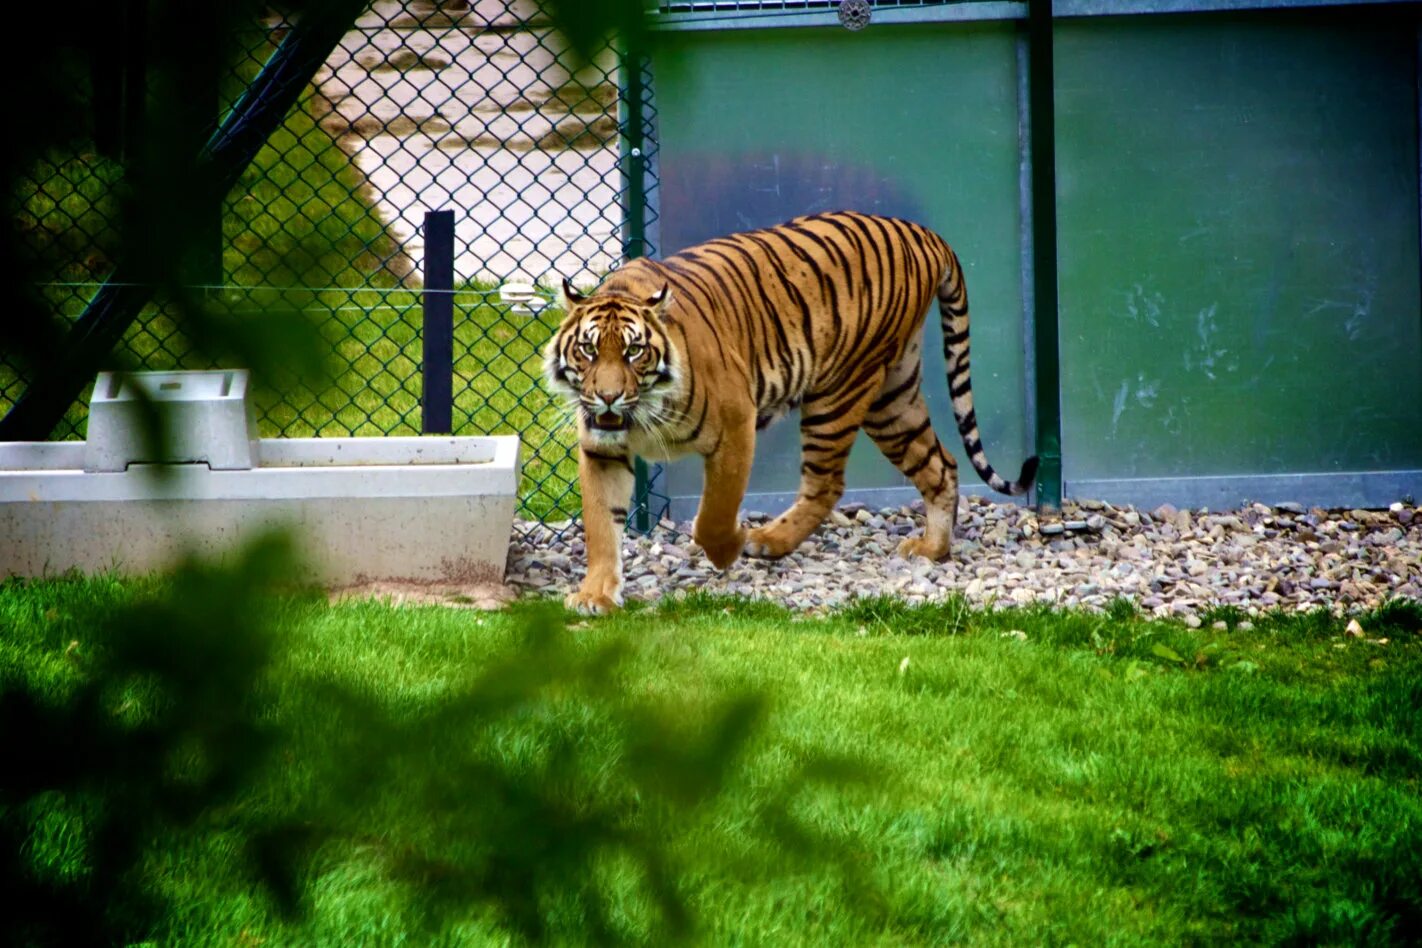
(474, 106)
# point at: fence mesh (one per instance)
(476, 106)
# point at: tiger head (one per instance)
(613, 356)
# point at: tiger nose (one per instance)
(609, 397)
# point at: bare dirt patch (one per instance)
(464, 586)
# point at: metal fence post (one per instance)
(633, 228)
(1042, 120)
(437, 334)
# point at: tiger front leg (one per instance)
(718, 527)
(606, 479)
(828, 426)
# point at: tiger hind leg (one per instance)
(899, 424)
(828, 427)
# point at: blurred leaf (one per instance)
(586, 23)
(1161, 650)
(1135, 670)
(164, 727)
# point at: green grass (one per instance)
(1019, 776)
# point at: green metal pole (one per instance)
(634, 225)
(1042, 107)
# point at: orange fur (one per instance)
(694, 353)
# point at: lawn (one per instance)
(725, 771)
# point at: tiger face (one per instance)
(612, 356)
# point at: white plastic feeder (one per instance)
(432, 508)
(521, 298)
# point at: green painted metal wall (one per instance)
(757, 126)
(1238, 245)
(1240, 314)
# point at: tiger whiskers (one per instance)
(566, 420)
(659, 419)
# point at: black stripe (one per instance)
(833, 450)
(744, 310)
(904, 438)
(785, 350)
(824, 417)
(827, 285)
(696, 428)
(807, 322)
(609, 458)
(851, 238)
(895, 286)
(910, 312)
(711, 274)
(922, 463)
(888, 398)
(834, 435)
(834, 490)
(871, 244)
(687, 277)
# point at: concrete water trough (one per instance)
(426, 508)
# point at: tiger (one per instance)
(697, 352)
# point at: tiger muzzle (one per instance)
(608, 421)
(607, 412)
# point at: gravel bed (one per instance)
(1166, 561)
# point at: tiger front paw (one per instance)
(922, 546)
(596, 597)
(770, 542)
(722, 549)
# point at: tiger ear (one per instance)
(660, 299)
(571, 295)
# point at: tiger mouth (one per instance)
(609, 421)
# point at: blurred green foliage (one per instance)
(544, 792)
(157, 728)
(168, 717)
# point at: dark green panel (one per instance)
(1238, 213)
(757, 126)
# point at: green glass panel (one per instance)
(920, 121)
(1238, 215)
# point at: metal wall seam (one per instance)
(972, 11)
(976, 11)
(1027, 248)
(1130, 7)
